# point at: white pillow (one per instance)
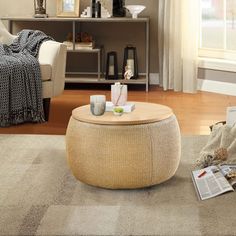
(5, 36)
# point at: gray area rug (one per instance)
(39, 196)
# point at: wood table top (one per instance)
(143, 113)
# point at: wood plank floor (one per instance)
(195, 112)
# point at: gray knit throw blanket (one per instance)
(20, 79)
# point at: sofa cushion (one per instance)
(46, 71)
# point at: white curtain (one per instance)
(178, 27)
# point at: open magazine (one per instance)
(214, 180)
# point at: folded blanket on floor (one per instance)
(20, 79)
(220, 148)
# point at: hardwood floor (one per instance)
(195, 112)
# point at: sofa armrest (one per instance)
(54, 54)
(5, 36)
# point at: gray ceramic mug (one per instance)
(97, 104)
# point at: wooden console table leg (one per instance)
(99, 64)
(147, 54)
(10, 26)
(73, 26)
(46, 107)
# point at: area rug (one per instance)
(39, 196)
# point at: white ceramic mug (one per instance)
(97, 104)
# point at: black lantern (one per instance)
(112, 66)
(40, 9)
(130, 62)
(118, 9)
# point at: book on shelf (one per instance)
(80, 45)
(128, 107)
(84, 45)
(214, 180)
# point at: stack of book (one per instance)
(128, 107)
(80, 45)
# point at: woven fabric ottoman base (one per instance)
(123, 156)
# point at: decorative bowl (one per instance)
(118, 111)
(135, 9)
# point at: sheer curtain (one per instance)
(178, 27)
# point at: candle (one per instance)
(97, 104)
(130, 64)
(111, 70)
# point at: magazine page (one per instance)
(229, 171)
(210, 182)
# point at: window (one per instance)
(218, 29)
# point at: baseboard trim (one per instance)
(154, 79)
(216, 87)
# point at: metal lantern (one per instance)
(40, 8)
(112, 66)
(130, 62)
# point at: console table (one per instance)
(143, 78)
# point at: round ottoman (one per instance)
(135, 150)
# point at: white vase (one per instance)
(119, 94)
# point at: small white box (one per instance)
(231, 116)
(128, 107)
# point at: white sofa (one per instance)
(52, 59)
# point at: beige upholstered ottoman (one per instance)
(135, 150)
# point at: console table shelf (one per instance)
(94, 50)
(91, 79)
(70, 19)
(74, 21)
